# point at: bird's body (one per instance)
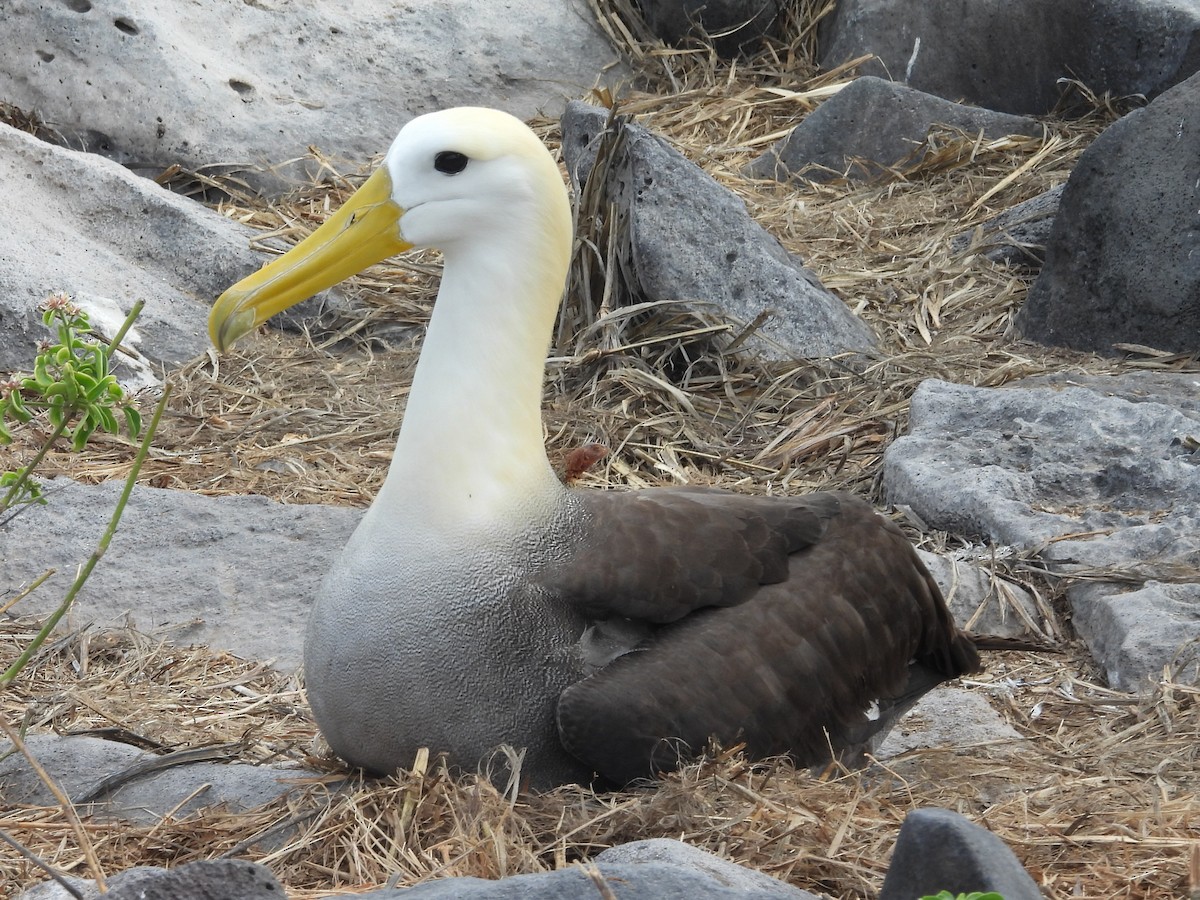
(482, 602)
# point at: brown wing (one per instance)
(660, 554)
(791, 669)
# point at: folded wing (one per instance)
(786, 623)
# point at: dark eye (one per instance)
(451, 162)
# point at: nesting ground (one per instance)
(1100, 799)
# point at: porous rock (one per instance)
(733, 25)
(1136, 634)
(88, 227)
(81, 765)
(939, 850)
(234, 573)
(1123, 258)
(982, 601)
(871, 125)
(1102, 481)
(1015, 55)
(693, 240)
(219, 879)
(685, 856)
(650, 879)
(950, 717)
(85, 888)
(1017, 236)
(253, 85)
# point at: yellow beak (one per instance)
(364, 231)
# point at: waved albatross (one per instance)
(482, 602)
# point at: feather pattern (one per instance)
(788, 665)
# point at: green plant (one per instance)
(72, 384)
(974, 895)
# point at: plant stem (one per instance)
(127, 324)
(33, 586)
(105, 540)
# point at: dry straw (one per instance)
(1098, 799)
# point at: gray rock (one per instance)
(1023, 466)
(871, 125)
(109, 238)
(1016, 236)
(950, 717)
(81, 765)
(1104, 487)
(939, 850)
(1179, 391)
(1123, 259)
(983, 602)
(685, 856)
(220, 879)
(677, 214)
(735, 26)
(629, 881)
(77, 764)
(1136, 634)
(234, 573)
(1010, 54)
(86, 888)
(231, 85)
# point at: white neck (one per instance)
(471, 447)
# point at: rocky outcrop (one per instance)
(1017, 236)
(871, 125)
(251, 86)
(632, 872)
(1098, 478)
(241, 572)
(675, 214)
(1123, 258)
(939, 850)
(86, 226)
(229, 879)
(114, 780)
(1014, 55)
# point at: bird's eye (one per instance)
(451, 162)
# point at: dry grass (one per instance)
(1098, 801)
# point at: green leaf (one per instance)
(16, 407)
(54, 412)
(41, 378)
(83, 431)
(133, 421)
(105, 417)
(85, 380)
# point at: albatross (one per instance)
(481, 602)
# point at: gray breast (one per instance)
(456, 653)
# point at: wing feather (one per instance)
(789, 667)
(658, 555)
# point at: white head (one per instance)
(456, 179)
